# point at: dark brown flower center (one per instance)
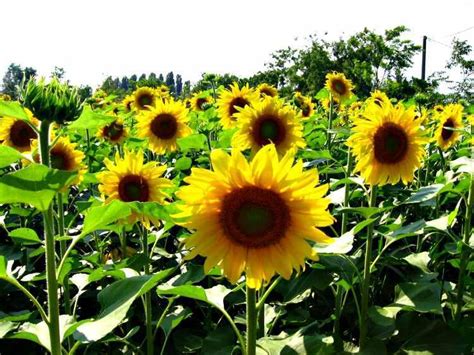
(113, 131)
(21, 134)
(164, 126)
(267, 91)
(145, 99)
(447, 131)
(61, 160)
(339, 86)
(200, 102)
(236, 102)
(268, 129)
(390, 143)
(133, 188)
(254, 217)
(305, 109)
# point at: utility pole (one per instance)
(423, 59)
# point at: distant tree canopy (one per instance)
(13, 78)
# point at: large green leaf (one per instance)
(8, 156)
(91, 120)
(296, 344)
(419, 296)
(424, 194)
(12, 109)
(101, 217)
(214, 296)
(115, 300)
(24, 236)
(35, 185)
(194, 141)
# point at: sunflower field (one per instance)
(238, 220)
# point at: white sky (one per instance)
(92, 39)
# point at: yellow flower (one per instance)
(388, 144)
(449, 121)
(163, 125)
(231, 101)
(130, 179)
(266, 122)
(162, 92)
(127, 103)
(378, 97)
(17, 133)
(339, 86)
(305, 104)
(259, 218)
(63, 156)
(265, 89)
(144, 98)
(200, 101)
(114, 132)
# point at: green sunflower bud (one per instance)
(53, 101)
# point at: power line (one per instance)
(443, 44)
(465, 30)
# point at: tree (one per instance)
(58, 73)
(179, 84)
(460, 60)
(170, 81)
(14, 77)
(125, 84)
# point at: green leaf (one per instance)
(194, 141)
(12, 109)
(8, 156)
(35, 185)
(419, 260)
(424, 194)
(412, 228)
(115, 301)
(5, 327)
(322, 94)
(293, 289)
(183, 163)
(3, 266)
(296, 344)
(25, 236)
(383, 321)
(173, 319)
(419, 296)
(91, 120)
(221, 341)
(214, 296)
(102, 217)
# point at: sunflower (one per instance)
(127, 103)
(17, 133)
(200, 101)
(378, 97)
(449, 122)
(5, 97)
(269, 121)
(114, 132)
(230, 101)
(163, 125)
(144, 98)
(305, 104)
(325, 104)
(258, 217)
(338, 85)
(163, 92)
(388, 144)
(63, 156)
(265, 89)
(129, 179)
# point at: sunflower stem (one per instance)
(366, 281)
(465, 250)
(443, 161)
(331, 112)
(62, 251)
(123, 243)
(346, 192)
(261, 315)
(148, 308)
(251, 296)
(51, 279)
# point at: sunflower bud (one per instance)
(52, 102)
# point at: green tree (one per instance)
(460, 60)
(14, 77)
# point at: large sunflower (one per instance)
(17, 133)
(200, 101)
(257, 218)
(339, 86)
(144, 98)
(163, 125)
(230, 101)
(265, 89)
(114, 132)
(129, 179)
(449, 122)
(388, 144)
(305, 104)
(266, 122)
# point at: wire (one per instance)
(443, 44)
(465, 30)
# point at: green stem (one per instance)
(261, 316)
(123, 243)
(338, 311)
(62, 251)
(465, 252)
(331, 112)
(366, 282)
(443, 161)
(251, 296)
(345, 216)
(261, 301)
(51, 280)
(148, 308)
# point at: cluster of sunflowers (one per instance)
(253, 208)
